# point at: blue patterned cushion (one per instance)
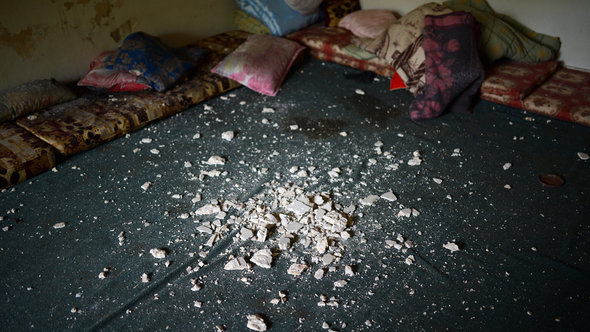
(146, 55)
(278, 16)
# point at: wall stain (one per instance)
(123, 30)
(25, 42)
(103, 10)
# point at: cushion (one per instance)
(305, 7)
(251, 65)
(332, 44)
(370, 23)
(335, 10)
(247, 23)
(22, 155)
(565, 96)
(33, 96)
(113, 80)
(503, 37)
(516, 80)
(401, 45)
(149, 57)
(277, 15)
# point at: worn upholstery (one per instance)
(22, 155)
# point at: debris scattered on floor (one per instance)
(583, 156)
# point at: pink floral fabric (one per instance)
(261, 63)
(453, 69)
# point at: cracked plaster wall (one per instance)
(59, 38)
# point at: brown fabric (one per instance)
(32, 96)
(92, 120)
(22, 155)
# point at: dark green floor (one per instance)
(523, 264)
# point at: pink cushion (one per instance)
(369, 23)
(260, 63)
(114, 80)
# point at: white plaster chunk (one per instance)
(59, 225)
(261, 234)
(146, 140)
(319, 274)
(294, 127)
(507, 166)
(146, 185)
(369, 200)
(407, 212)
(215, 160)
(348, 270)
(208, 209)
(145, 278)
(155, 151)
(328, 259)
(267, 110)
(583, 156)
(284, 243)
(340, 283)
(294, 227)
(299, 208)
(296, 269)
(159, 252)
(359, 92)
(322, 245)
(437, 180)
(410, 260)
(451, 246)
(262, 258)
(238, 263)
(227, 135)
(389, 196)
(204, 229)
(246, 234)
(256, 323)
(344, 235)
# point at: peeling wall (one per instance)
(59, 38)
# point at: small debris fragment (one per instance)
(507, 166)
(146, 185)
(227, 135)
(319, 274)
(267, 110)
(369, 200)
(256, 323)
(237, 264)
(410, 260)
(416, 160)
(452, 246)
(159, 252)
(296, 269)
(215, 160)
(262, 258)
(389, 196)
(583, 155)
(340, 283)
(59, 225)
(145, 278)
(359, 92)
(437, 180)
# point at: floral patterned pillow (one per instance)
(251, 65)
(147, 56)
